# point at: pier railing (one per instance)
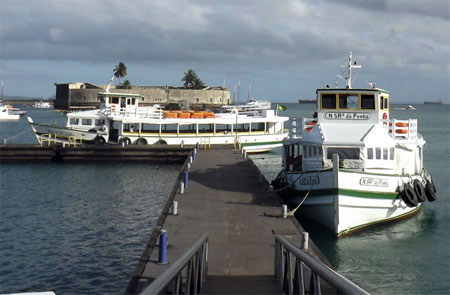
(193, 265)
(299, 273)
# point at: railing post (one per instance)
(185, 178)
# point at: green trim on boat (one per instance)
(369, 195)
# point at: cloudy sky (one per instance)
(284, 48)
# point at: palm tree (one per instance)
(191, 80)
(120, 71)
(126, 84)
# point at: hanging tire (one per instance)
(99, 140)
(430, 191)
(420, 191)
(123, 142)
(161, 142)
(409, 196)
(141, 141)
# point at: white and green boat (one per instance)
(351, 165)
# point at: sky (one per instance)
(283, 49)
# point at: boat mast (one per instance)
(110, 83)
(351, 65)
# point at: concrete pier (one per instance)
(229, 199)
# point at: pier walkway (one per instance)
(228, 199)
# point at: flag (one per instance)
(281, 107)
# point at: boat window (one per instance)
(150, 128)
(385, 153)
(99, 122)
(225, 128)
(348, 101)
(370, 153)
(367, 102)
(205, 128)
(74, 121)
(328, 101)
(257, 127)
(190, 128)
(130, 127)
(378, 153)
(384, 103)
(114, 99)
(391, 154)
(86, 122)
(169, 128)
(242, 127)
(343, 153)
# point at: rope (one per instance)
(292, 212)
(17, 135)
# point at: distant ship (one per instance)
(306, 101)
(433, 102)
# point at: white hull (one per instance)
(61, 134)
(9, 117)
(354, 201)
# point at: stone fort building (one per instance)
(81, 95)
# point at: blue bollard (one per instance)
(185, 178)
(162, 258)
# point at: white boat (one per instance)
(120, 120)
(408, 108)
(7, 113)
(352, 166)
(42, 105)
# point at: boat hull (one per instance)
(63, 133)
(345, 202)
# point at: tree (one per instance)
(120, 71)
(191, 80)
(126, 84)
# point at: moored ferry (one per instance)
(351, 165)
(120, 120)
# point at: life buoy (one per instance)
(409, 196)
(420, 191)
(430, 191)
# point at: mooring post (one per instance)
(191, 159)
(189, 166)
(185, 178)
(284, 211)
(162, 255)
(197, 146)
(304, 240)
(175, 207)
(194, 154)
(182, 187)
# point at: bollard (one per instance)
(190, 159)
(284, 210)
(197, 146)
(185, 178)
(194, 154)
(175, 208)
(305, 240)
(189, 166)
(142, 284)
(182, 144)
(162, 255)
(181, 187)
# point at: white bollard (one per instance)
(189, 166)
(181, 187)
(190, 160)
(175, 208)
(305, 240)
(284, 211)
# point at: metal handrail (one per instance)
(195, 260)
(293, 280)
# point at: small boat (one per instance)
(120, 120)
(7, 113)
(408, 108)
(42, 105)
(433, 102)
(351, 165)
(252, 107)
(309, 101)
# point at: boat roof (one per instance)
(352, 90)
(119, 94)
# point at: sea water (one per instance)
(81, 228)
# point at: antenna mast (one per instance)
(349, 73)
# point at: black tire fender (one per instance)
(420, 191)
(409, 196)
(430, 191)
